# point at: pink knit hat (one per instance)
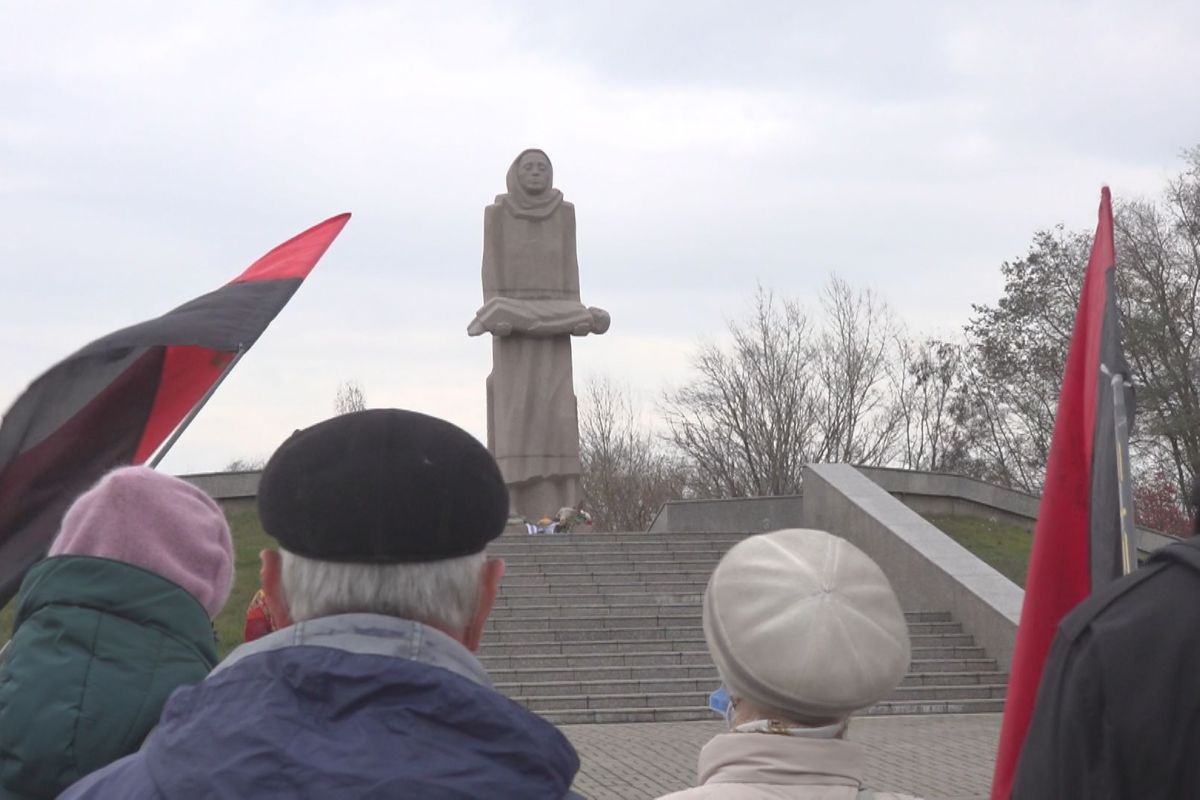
(157, 522)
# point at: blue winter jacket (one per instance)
(350, 706)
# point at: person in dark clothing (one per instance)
(115, 620)
(1117, 714)
(369, 688)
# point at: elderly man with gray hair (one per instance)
(805, 630)
(370, 689)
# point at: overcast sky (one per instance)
(150, 151)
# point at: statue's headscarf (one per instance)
(521, 203)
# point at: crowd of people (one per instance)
(359, 679)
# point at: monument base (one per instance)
(543, 497)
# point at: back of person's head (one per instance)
(804, 626)
(157, 522)
(383, 511)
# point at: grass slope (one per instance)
(1003, 545)
(248, 540)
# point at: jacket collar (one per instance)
(370, 634)
(776, 759)
(119, 589)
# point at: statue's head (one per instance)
(530, 182)
(534, 172)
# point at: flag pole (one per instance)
(179, 429)
(1124, 482)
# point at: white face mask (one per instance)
(770, 726)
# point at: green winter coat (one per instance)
(97, 647)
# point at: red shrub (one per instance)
(1159, 505)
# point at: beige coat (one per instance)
(764, 766)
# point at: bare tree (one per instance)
(748, 421)
(857, 417)
(927, 386)
(783, 394)
(627, 472)
(350, 398)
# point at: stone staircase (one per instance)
(605, 627)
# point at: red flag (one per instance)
(116, 400)
(1077, 541)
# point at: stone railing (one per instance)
(927, 568)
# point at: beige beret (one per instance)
(804, 623)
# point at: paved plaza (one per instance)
(938, 757)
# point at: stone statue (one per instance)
(531, 307)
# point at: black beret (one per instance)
(382, 486)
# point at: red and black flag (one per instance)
(117, 400)
(1083, 538)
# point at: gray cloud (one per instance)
(149, 152)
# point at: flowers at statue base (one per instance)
(566, 520)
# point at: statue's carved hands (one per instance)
(478, 328)
(597, 322)
(600, 319)
(506, 316)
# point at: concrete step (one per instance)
(624, 555)
(920, 634)
(613, 555)
(542, 675)
(612, 567)
(538, 694)
(920, 641)
(593, 595)
(596, 632)
(691, 713)
(576, 716)
(927, 657)
(619, 600)
(590, 611)
(592, 627)
(693, 576)
(985, 706)
(562, 662)
(588, 544)
(594, 546)
(940, 692)
(921, 665)
(628, 536)
(543, 703)
(619, 556)
(597, 610)
(601, 646)
(933, 628)
(701, 670)
(503, 658)
(511, 624)
(645, 628)
(953, 651)
(679, 694)
(948, 678)
(544, 616)
(694, 588)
